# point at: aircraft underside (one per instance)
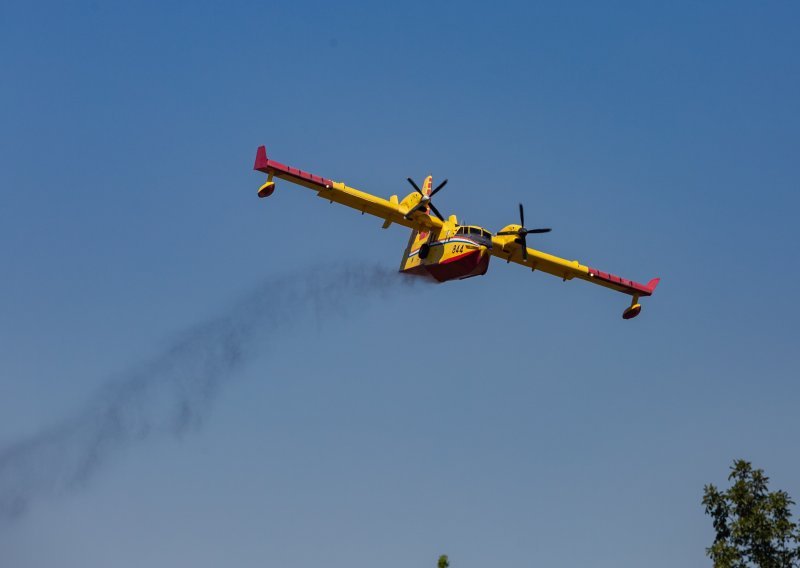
(466, 265)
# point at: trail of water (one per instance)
(173, 391)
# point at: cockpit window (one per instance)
(473, 231)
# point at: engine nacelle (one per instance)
(510, 229)
(409, 202)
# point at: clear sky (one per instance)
(508, 420)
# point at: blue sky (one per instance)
(505, 420)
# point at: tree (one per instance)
(754, 526)
(443, 561)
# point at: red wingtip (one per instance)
(652, 284)
(261, 158)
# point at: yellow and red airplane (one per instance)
(442, 248)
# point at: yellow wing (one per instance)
(506, 248)
(408, 212)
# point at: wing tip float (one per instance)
(413, 212)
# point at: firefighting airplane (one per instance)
(442, 248)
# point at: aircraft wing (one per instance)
(510, 251)
(390, 210)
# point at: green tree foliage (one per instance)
(754, 526)
(443, 561)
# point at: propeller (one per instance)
(522, 232)
(426, 199)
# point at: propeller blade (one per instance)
(524, 250)
(529, 231)
(435, 211)
(438, 187)
(521, 215)
(415, 186)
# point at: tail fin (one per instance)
(411, 257)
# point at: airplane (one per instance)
(443, 249)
